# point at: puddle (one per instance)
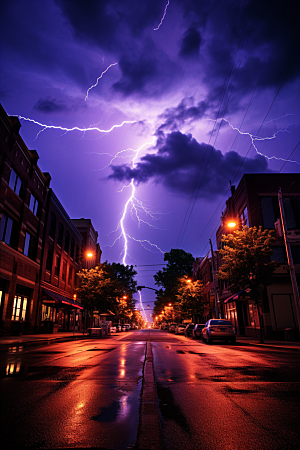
(181, 352)
(124, 409)
(169, 409)
(15, 349)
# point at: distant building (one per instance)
(202, 271)
(90, 251)
(253, 203)
(61, 262)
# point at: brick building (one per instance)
(253, 203)
(41, 249)
(23, 195)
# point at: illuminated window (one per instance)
(19, 308)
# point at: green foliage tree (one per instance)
(245, 262)
(108, 287)
(179, 263)
(190, 297)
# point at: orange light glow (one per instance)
(89, 254)
(231, 224)
(188, 281)
(170, 304)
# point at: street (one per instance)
(86, 394)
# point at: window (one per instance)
(49, 260)
(72, 248)
(52, 226)
(64, 271)
(9, 232)
(33, 205)
(67, 242)
(289, 213)
(15, 182)
(295, 254)
(70, 275)
(244, 217)
(77, 254)
(5, 229)
(30, 246)
(268, 212)
(60, 234)
(19, 308)
(278, 255)
(57, 265)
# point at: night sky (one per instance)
(172, 70)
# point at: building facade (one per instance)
(23, 195)
(255, 203)
(41, 249)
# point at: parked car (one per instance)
(189, 329)
(197, 331)
(218, 329)
(124, 328)
(172, 327)
(113, 329)
(119, 327)
(180, 328)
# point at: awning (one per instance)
(234, 296)
(61, 299)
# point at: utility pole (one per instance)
(290, 259)
(214, 280)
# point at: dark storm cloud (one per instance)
(180, 161)
(173, 118)
(50, 105)
(190, 45)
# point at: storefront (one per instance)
(60, 313)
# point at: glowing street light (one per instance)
(231, 224)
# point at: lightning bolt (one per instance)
(67, 130)
(163, 17)
(96, 84)
(255, 139)
(136, 207)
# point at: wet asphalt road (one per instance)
(86, 394)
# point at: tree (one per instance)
(108, 287)
(179, 263)
(190, 297)
(245, 263)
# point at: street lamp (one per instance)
(231, 224)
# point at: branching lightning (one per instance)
(96, 84)
(255, 139)
(163, 17)
(136, 207)
(84, 130)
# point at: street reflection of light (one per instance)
(79, 407)
(18, 367)
(122, 373)
(125, 407)
(122, 362)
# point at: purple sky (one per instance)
(171, 77)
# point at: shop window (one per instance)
(70, 280)
(67, 242)
(64, 271)
(72, 248)
(33, 205)
(57, 265)
(30, 246)
(52, 226)
(15, 182)
(60, 234)
(49, 260)
(19, 308)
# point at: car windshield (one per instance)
(220, 322)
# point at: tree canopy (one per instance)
(179, 263)
(108, 287)
(190, 297)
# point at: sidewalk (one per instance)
(284, 345)
(31, 340)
